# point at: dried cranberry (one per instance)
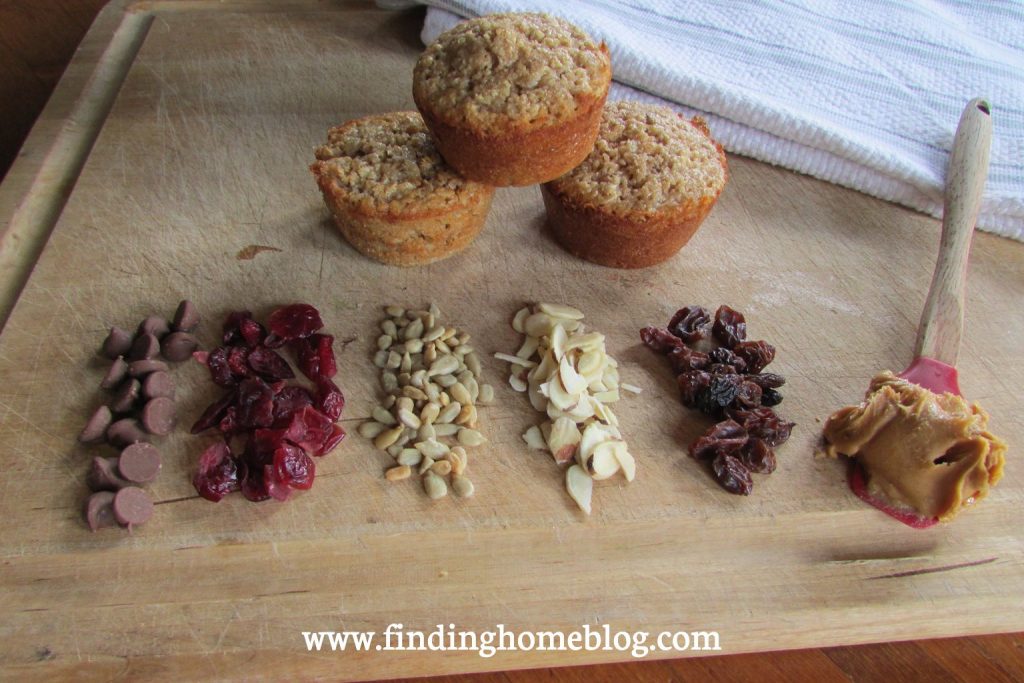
(690, 324)
(336, 436)
(228, 424)
(238, 362)
(756, 354)
(278, 490)
(269, 364)
(255, 404)
(272, 341)
(720, 392)
(254, 485)
(220, 373)
(724, 355)
(232, 334)
(684, 360)
(306, 356)
(329, 399)
(324, 344)
(660, 340)
(726, 436)
(292, 467)
(217, 475)
(763, 423)
(691, 385)
(757, 456)
(290, 400)
(214, 412)
(252, 332)
(730, 327)
(732, 474)
(295, 321)
(259, 449)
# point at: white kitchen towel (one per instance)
(862, 94)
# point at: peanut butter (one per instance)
(929, 452)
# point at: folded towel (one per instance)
(863, 94)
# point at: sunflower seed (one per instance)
(410, 457)
(395, 449)
(446, 381)
(462, 486)
(431, 448)
(414, 393)
(388, 437)
(443, 366)
(408, 418)
(380, 359)
(434, 486)
(460, 393)
(458, 457)
(384, 341)
(394, 311)
(414, 346)
(449, 413)
(473, 363)
(442, 468)
(404, 378)
(430, 412)
(388, 402)
(426, 432)
(398, 473)
(388, 381)
(413, 330)
(394, 360)
(470, 437)
(406, 365)
(486, 394)
(370, 429)
(388, 327)
(425, 465)
(383, 416)
(446, 429)
(433, 333)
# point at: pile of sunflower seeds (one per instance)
(431, 378)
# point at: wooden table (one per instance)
(106, 90)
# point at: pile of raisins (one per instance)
(275, 426)
(722, 375)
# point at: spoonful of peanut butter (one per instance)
(917, 450)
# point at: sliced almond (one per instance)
(517, 382)
(626, 462)
(610, 396)
(520, 317)
(631, 388)
(557, 394)
(580, 486)
(603, 462)
(593, 434)
(563, 440)
(535, 439)
(528, 348)
(515, 360)
(586, 342)
(561, 311)
(558, 341)
(591, 364)
(571, 380)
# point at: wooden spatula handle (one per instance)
(942, 323)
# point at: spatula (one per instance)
(942, 322)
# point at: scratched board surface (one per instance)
(197, 186)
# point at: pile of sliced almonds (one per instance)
(568, 375)
(430, 376)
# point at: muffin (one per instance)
(642, 192)
(513, 99)
(392, 195)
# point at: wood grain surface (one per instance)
(202, 154)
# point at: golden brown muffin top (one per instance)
(647, 158)
(510, 72)
(387, 163)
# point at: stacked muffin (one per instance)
(517, 99)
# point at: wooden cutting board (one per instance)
(196, 122)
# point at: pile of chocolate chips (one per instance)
(722, 374)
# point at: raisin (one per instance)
(757, 456)
(269, 364)
(295, 321)
(720, 369)
(720, 393)
(684, 359)
(732, 474)
(726, 356)
(749, 395)
(767, 380)
(691, 385)
(730, 327)
(763, 423)
(770, 397)
(690, 324)
(756, 354)
(660, 340)
(725, 436)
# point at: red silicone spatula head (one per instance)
(942, 322)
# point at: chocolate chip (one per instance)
(125, 432)
(158, 384)
(126, 397)
(103, 475)
(158, 416)
(186, 318)
(117, 372)
(96, 427)
(141, 368)
(117, 343)
(132, 506)
(139, 463)
(99, 510)
(178, 346)
(154, 325)
(146, 346)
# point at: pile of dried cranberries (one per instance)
(722, 375)
(275, 426)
